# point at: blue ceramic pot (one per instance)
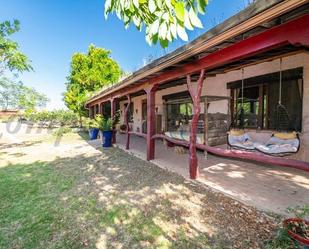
(93, 133)
(106, 138)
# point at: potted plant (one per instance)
(298, 227)
(93, 128)
(106, 130)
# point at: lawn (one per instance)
(83, 197)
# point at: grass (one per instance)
(40, 208)
(30, 211)
(108, 199)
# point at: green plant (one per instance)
(56, 117)
(164, 20)
(300, 211)
(282, 240)
(88, 74)
(61, 131)
(104, 124)
(11, 57)
(91, 123)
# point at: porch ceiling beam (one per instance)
(256, 14)
(295, 32)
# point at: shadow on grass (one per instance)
(113, 200)
(4, 146)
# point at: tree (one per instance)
(88, 74)
(30, 99)
(16, 95)
(10, 56)
(75, 100)
(9, 94)
(165, 20)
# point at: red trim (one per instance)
(172, 140)
(151, 121)
(295, 32)
(113, 111)
(195, 95)
(139, 134)
(126, 120)
(253, 156)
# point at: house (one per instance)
(8, 113)
(249, 72)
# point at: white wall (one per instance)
(217, 86)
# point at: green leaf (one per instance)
(173, 29)
(137, 21)
(159, 3)
(154, 28)
(169, 35)
(180, 11)
(152, 6)
(169, 4)
(194, 19)
(182, 33)
(163, 43)
(187, 21)
(178, 16)
(148, 39)
(163, 31)
(108, 4)
(136, 3)
(201, 4)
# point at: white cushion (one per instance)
(243, 141)
(277, 146)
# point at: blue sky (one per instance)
(52, 30)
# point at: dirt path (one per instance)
(119, 201)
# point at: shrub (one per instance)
(61, 131)
(53, 118)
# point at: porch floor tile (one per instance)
(267, 187)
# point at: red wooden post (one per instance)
(195, 95)
(126, 120)
(90, 112)
(113, 112)
(151, 120)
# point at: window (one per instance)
(257, 104)
(178, 114)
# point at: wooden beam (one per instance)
(151, 121)
(195, 95)
(245, 155)
(139, 134)
(206, 125)
(256, 14)
(126, 120)
(279, 36)
(113, 112)
(261, 107)
(284, 34)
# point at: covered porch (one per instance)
(206, 70)
(270, 188)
